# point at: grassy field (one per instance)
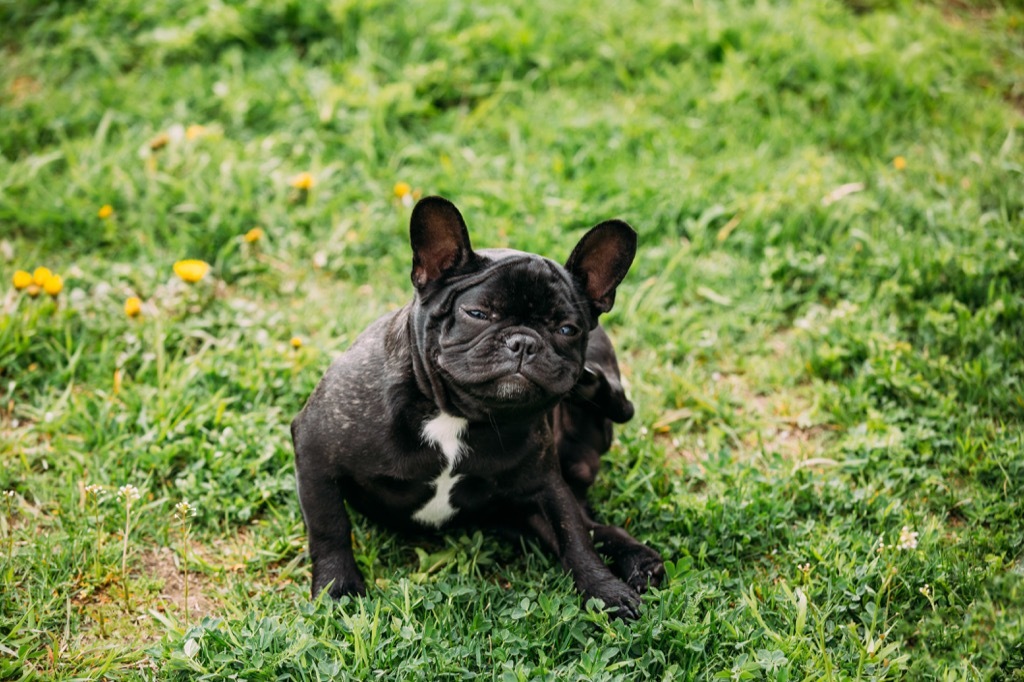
(822, 331)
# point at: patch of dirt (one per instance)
(783, 420)
(157, 586)
(164, 565)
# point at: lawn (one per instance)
(822, 331)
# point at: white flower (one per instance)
(128, 493)
(908, 539)
(183, 510)
(96, 492)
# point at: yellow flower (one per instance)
(21, 279)
(160, 141)
(254, 235)
(296, 342)
(191, 270)
(40, 276)
(402, 189)
(33, 290)
(303, 181)
(194, 131)
(105, 211)
(899, 163)
(53, 285)
(133, 306)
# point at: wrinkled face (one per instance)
(514, 341)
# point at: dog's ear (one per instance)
(440, 240)
(601, 260)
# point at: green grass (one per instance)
(815, 370)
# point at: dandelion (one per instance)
(54, 285)
(296, 342)
(404, 193)
(40, 275)
(33, 290)
(908, 539)
(899, 163)
(128, 494)
(191, 270)
(159, 142)
(194, 132)
(106, 210)
(303, 181)
(21, 279)
(133, 306)
(254, 235)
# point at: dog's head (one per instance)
(500, 333)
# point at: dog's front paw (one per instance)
(620, 600)
(347, 588)
(641, 568)
(338, 583)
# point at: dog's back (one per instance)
(583, 420)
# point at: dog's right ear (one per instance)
(601, 260)
(440, 240)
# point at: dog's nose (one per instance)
(521, 344)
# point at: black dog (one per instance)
(480, 402)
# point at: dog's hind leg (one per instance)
(633, 562)
(630, 560)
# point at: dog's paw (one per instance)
(347, 588)
(339, 586)
(641, 568)
(620, 601)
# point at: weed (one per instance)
(127, 494)
(183, 511)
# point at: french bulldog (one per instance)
(486, 401)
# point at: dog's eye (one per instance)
(568, 330)
(477, 314)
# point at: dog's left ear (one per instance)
(440, 240)
(601, 260)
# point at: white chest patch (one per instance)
(445, 433)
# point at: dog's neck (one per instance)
(428, 380)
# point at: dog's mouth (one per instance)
(514, 392)
(514, 387)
